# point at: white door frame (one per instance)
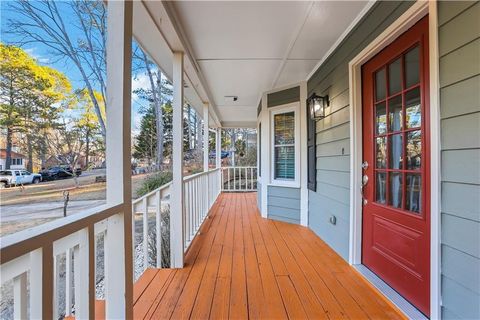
(417, 11)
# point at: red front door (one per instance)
(396, 211)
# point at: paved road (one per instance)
(21, 212)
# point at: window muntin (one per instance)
(284, 145)
(398, 133)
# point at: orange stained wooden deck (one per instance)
(243, 266)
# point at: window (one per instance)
(17, 162)
(285, 146)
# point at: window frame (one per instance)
(286, 108)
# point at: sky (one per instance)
(44, 56)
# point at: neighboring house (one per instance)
(18, 160)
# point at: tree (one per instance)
(145, 146)
(44, 22)
(29, 94)
(67, 145)
(87, 123)
(155, 80)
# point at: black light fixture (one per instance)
(316, 106)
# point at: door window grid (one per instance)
(406, 176)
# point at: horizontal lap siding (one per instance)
(333, 132)
(284, 204)
(283, 97)
(459, 48)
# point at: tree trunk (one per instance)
(30, 153)
(87, 148)
(157, 100)
(8, 161)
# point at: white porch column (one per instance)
(206, 136)
(118, 242)
(303, 155)
(218, 148)
(176, 197)
(265, 177)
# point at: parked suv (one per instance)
(59, 172)
(13, 177)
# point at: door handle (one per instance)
(364, 181)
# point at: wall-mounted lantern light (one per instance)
(316, 106)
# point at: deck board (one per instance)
(243, 266)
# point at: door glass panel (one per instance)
(381, 118)
(413, 108)
(395, 76)
(414, 150)
(413, 197)
(395, 148)
(395, 190)
(381, 187)
(381, 152)
(412, 67)
(380, 85)
(395, 113)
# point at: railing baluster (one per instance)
(55, 287)
(80, 276)
(158, 228)
(187, 217)
(20, 296)
(145, 232)
(36, 289)
(68, 282)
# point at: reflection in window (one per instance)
(284, 144)
(414, 193)
(380, 85)
(381, 118)
(381, 187)
(395, 76)
(381, 148)
(413, 108)
(396, 187)
(414, 150)
(395, 147)
(395, 113)
(412, 67)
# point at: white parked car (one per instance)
(16, 177)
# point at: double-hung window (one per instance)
(285, 148)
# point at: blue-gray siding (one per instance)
(333, 132)
(284, 204)
(459, 48)
(283, 97)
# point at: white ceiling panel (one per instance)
(325, 24)
(295, 71)
(246, 79)
(240, 29)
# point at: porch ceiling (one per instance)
(246, 48)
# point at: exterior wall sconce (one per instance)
(316, 106)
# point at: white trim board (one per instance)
(417, 11)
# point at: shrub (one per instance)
(153, 182)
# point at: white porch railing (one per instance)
(30, 257)
(197, 201)
(239, 179)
